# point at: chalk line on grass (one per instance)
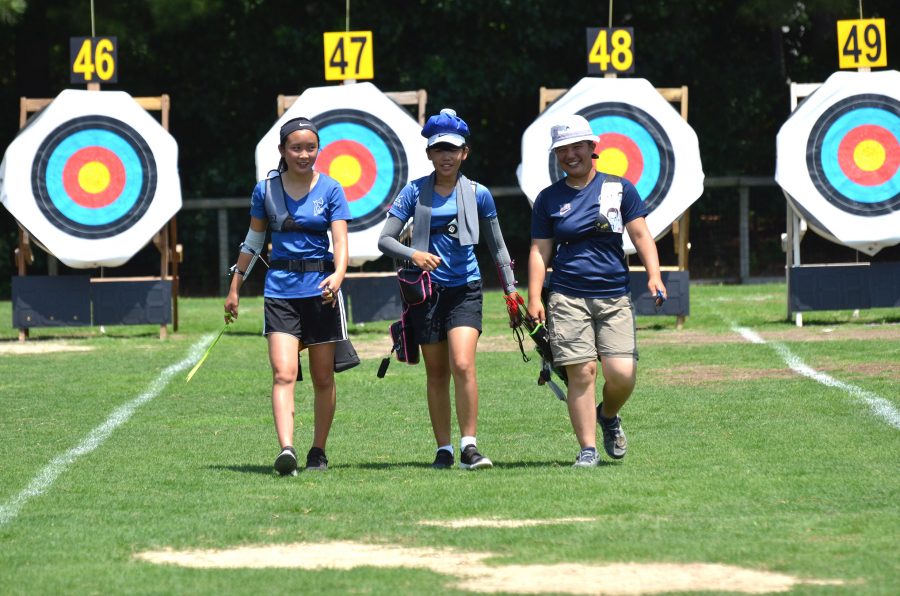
(879, 405)
(46, 477)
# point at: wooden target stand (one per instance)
(680, 227)
(165, 240)
(831, 286)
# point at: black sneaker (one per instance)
(472, 460)
(614, 442)
(316, 460)
(442, 460)
(286, 462)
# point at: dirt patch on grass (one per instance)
(473, 574)
(39, 347)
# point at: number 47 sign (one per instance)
(348, 55)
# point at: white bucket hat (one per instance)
(571, 129)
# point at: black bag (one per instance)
(404, 345)
(415, 285)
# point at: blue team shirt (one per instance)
(458, 263)
(322, 205)
(591, 267)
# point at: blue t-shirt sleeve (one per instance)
(258, 201)
(403, 205)
(632, 205)
(487, 209)
(338, 206)
(541, 225)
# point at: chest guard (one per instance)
(280, 219)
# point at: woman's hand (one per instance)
(231, 307)
(536, 309)
(425, 260)
(330, 286)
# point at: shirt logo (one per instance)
(565, 208)
(318, 207)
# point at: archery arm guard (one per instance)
(491, 231)
(252, 245)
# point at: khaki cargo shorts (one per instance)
(583, 329)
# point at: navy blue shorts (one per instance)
(307, 319)
(459, 306)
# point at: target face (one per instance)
(631, 144)
(639, 134)
(368, 143)
(366, 158)
(853, 155)
(838, 159)
(94, 177)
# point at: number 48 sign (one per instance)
(93, 59)
(348, 55)
(610, 50)
(861, 43)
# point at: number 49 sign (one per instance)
(861, 43)
(93, 59)
(348, 55)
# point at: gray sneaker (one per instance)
(614, 442)
(587, 458)
(286, 462)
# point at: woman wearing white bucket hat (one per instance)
(591, 316)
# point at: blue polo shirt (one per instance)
(322, 205)
(458, 263)
(592, 266)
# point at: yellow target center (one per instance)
(346, 170)
(93, 177)
(612, 161)
(869, 155)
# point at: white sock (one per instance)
(465, 442)
(446, 448)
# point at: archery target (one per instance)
(640, 134)
(839, 159)
(853, 154)
(367, 159)
(368, 143)
(92, 177)
(631, 144)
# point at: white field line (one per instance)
(880, 406)
(53, 470)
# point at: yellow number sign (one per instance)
(93, 59)
(348, 55)
(610, 50)
(861, 43)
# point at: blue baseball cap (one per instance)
(446, 127)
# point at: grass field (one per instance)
(762, 458)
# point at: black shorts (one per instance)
(307, 319)
(447, 308)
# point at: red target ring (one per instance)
(869, 155)
(619, 155)
(94, 177)
(347, 160)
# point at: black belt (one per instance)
(448, 229)
(301, 266)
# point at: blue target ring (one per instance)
(645, 136)
(128, 153)
(375, 149)
(868, 118)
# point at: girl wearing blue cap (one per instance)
(303, 301)
(450, 213)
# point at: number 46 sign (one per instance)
(93, 59)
